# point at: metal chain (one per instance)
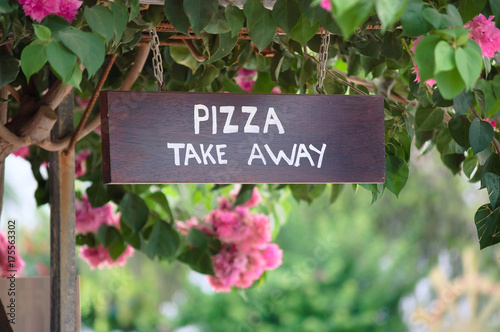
(323, 57)
(157, 61)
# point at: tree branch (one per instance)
(13, 92)
(91, 104)
(194, 51)
(135, 71)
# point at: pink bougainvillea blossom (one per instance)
(80, 161)
(326, 5)
(38, 9)
(7, 264)
(22, 152)
(484, 32)
(245, 236)
(88, 219)
(98, 257)
(246, 79)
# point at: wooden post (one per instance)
(63, 285)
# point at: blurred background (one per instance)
(402, 264)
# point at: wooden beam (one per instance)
(62, 227)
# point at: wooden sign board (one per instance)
(173, 137)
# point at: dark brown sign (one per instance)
(173, 137)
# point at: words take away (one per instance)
(174, 137)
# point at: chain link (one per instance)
(157, 61)
(323, 57)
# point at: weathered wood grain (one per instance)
(137, 126)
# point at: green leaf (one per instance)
(120, 15)
(459, 129)
(117, 248)
(495, 9)
(107, 235)
(260, 24)
(444, 57)
(391, 47)
(492, 182)
(389, 11)
(450, 83)
(263, 84)
(98, 195)
(469, 64)
(56, 24)
(480, 135)
(219, 23)
(488, 225)
(452, 18)
(200, 13)
(351, 14)
(5, 7)
(245, 193)
(396, 174)
(236, 18)
(135, 9)
(286, 14)
(197, 238)
(75, 77)
(199, 260)
(496, 86)
(42, 32)
(304, 30)
(432, 16)
(183, 56)
(336, 190)
(61, 60)
(300, 192)
(161, 199)
(134, 211)
(428, 118)
(33, 58)
(412, 21)
(9, 68)
(462, 102)
(486, 97)
(101, 20)
(470, 164)
(163, 242)
(424, 56)
(224, 44)
(470, 8)
(446, 144)
(88, 47)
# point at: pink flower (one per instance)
(22, 152)
(276, 90)
(246, 252)
(98, 257)
(80, 159)
(38, 9)
(245, 79)
(484, 32)
(88, 219)
(326, 5)
(8, 266)
(272, 256)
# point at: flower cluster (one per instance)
(246, 249)
(38, 9)
(5, 265)
(88, 220)
(484, 32)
